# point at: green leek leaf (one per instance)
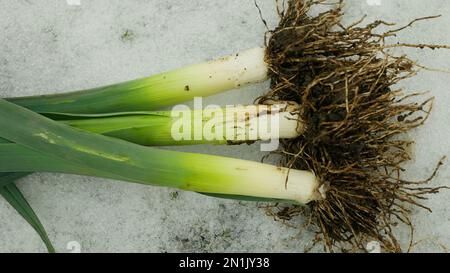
(15, 198)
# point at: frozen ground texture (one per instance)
(50, 46)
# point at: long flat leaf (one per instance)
(10, 178)
(15, 198)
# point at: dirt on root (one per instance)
(344, 78)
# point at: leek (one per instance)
(41, 144)
(231, 125)
(158, 91)
(146, 128)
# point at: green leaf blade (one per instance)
(15, 198)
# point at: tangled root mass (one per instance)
(343, 77)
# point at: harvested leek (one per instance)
(230, 125)
(158, 91)
(342, 78)
(53, 147)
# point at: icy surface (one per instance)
(55, 46)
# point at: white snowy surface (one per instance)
(49, 46)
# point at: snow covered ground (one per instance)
(52, 46)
